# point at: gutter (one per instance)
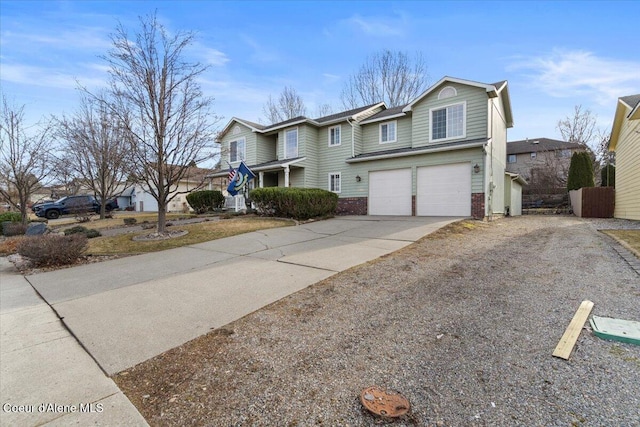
(427, 150)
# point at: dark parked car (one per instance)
(72, 205)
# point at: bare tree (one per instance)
(24, 154)
(324, 110)
(157, 98)
(581, 129)
(288, 106)
(386, 76)
(96, 149)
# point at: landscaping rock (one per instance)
(36, 229)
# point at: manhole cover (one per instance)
(383, 402)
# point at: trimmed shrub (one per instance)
(608, 176)
(298, 203)
(130, 221)
(53, 249)
(90, 233)
(205, 200)
(10, 216)
(580, 171)
(13, 228)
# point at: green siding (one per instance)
(236, 132)
(476, 112)
(371, 136)
(332, 159)
(265, 148)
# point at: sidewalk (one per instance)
(46, 377)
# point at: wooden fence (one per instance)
(593, 202)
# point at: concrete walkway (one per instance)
(42, 363)
(128, 310)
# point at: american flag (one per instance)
(232, 173)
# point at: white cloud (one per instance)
(46, 77)
(378, 26)
(581, 74)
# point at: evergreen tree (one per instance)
(580, 171)
(608, 176)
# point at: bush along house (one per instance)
(443, 154)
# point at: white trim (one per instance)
(426, 150)
(339, 127)
(384, 118)
(488, 88)
(244, 150)
(395, 132)
(284, 146)
(442, 95)
(339, 175)
(464, 122)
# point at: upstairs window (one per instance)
(534, 155)
(291, 144)
(448, 122)
(563, 153)
(334, 136)
(388, 132)
(511, 158)
(237, 150)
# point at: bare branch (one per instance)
(386, 76)
(24, 157)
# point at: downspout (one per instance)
(353, 143)
(491, 165)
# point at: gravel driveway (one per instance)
(462, 323)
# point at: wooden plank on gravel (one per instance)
(568, 340)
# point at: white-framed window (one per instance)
(511, 158)
(291, 143)
(335, 136)
(448, 122)
(237, 150)
(563, 153)
(388, 132)
(447, 92)
(335, 182)
(534, 155)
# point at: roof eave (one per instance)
(418, 152)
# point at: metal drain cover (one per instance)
(383, 402)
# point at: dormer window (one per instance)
(447, 92)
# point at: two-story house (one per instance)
(541, 161)
(443, 154)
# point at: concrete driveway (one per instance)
(127, 310)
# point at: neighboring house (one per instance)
(625, 141)
(542, 161)
(138, 197)
(443, 154)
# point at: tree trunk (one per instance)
(162, 218)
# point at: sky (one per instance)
(555, 55)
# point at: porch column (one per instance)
(286, 176)
(260, 179)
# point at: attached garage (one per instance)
(444, 190)
(390, 192)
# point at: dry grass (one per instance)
(198, 233)
(630, 238)
(9, 245)
(118, 219)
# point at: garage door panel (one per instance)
(444, 190)
(390, 192)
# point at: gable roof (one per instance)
(540, 144)
(629, 103)
(322, 121)
(493, 90)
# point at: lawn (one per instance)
(118, 219)
(197, 233)
(631, 238)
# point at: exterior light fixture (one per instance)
(358, 179)
(476, 168)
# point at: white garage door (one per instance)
(390, 192)
(444, 190)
